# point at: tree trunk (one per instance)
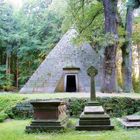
(138, 50)
(109, 63)
(8, 70)
(127, 53)
(17, 74)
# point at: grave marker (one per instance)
(93, 117)
(92, 72)
(49, 115)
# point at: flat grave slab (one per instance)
(134, 118)
(131, 121)
(127, 124)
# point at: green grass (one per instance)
(67, 95)
(15, 130)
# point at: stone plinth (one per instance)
(93, 118)
(132, 121)
(48, 116)
(93, 103)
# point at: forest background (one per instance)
(30, 29)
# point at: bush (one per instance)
(6, 80)
(23, 110)
(136, 85)
(118, 106)
(7, 102)
(76, 106)
(114, 106)
(3, 116)
(15, 106)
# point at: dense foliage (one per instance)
(7, 102)
(107, 26)
(29, 33)
(26, 37)
(15, 106)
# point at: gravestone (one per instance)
(48, 115)
(132, 121)
(93, 117)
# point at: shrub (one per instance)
(136, 85)
(115, 106)
(14, 106)
(23, 110)
(6, 80)
(76, 106)
(3, 116)
(118, 106)
(7, 102)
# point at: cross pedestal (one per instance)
(93, 117)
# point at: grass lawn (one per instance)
(69, 95)
(14, 130)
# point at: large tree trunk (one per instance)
(127, 53)
(8, 69)
(109, 63)
(138, 50)
(17, 74)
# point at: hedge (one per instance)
(114, 106)
(14, 106)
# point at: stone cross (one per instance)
(92, 72)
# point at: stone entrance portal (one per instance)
(71, 83)
(71, 76)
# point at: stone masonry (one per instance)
(50, 73)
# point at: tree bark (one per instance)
(127, 53)
(17, 74)
(8, 69)
(138, 50)
(109, 63)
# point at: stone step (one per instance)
(94, 127)
(94, 116)
(93, 110)
(49, 123)
(133, 118)
(93, 103)
(46, 124)
(31, 129)
(99, 120)
(94, 122)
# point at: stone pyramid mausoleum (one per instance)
(65, 68)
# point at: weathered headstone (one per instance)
(93, 117)
(132, 121)
(49, 115)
